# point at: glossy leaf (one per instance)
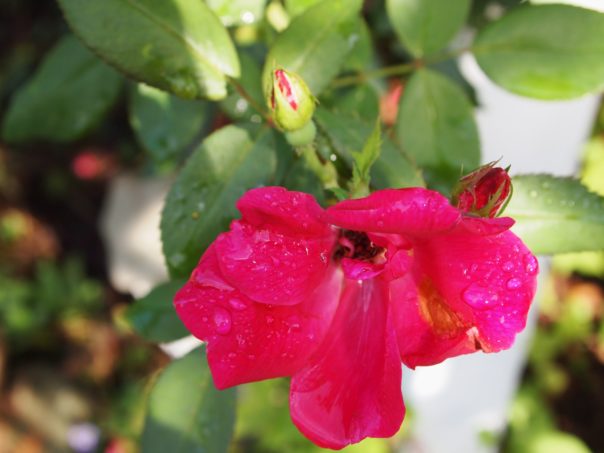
(238, 12)
(201, 203)
(426, 26)
(178, 46)
(436, 125)
(316, 43)
(164, 124)
(154, 317)
(186, 414)
(556, 215)
(67, 95)
(346, 133)
(545, 52)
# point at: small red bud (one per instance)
(484, 191)
(291, 102)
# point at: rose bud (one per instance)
(291, 102)
(484, 191)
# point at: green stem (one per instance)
(326, 171)
(250, 100)
(395, 70)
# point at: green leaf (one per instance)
(436, 126)
(201, 203)
(297, 7)
(362, 54)
(556, 215)
(426, 26)
(316, 43)
(154, 317)
(301, 178)
(360, 101)
(178, 46)
(164, 124)
(67, 95)
(363, 161)
(345, 133)
(238, 12)
(186, 414)
(545, 52)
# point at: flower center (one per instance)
(358, 246)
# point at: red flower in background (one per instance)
(337, 298)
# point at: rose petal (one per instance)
(276, 208)
(248, 341)
(413, 211)
(484, 226)
(351, 388)
(487, 281)
(359, 269)
(428, 332)
(271, 267)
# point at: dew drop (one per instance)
(513, 283)
(380, 223)
(533, 194)
(479, 296)
(293, 323)
(508, 266)
(237, 304)
(530, 264)
(222, 321)
(248, 17)
(241, 106)
(232, 355)
(177, 259)
(270, 319)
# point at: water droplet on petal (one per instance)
(531, 264)
(269, 319)
(480, 296)
(222, 321)
(293, 323)
(380, 223)
(508, 266)
(513, 283)
(237, 304)
(323, 256)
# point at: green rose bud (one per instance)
(291, 102)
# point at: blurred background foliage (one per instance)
(76, 360)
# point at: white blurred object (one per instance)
(130, 229)
(598, 5)
(455, 401)
(180, 348)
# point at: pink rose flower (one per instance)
(338, 298)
